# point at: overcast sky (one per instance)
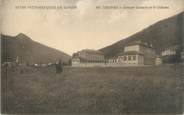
(70, 30)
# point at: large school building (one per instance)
(88, 57)
(136, 53)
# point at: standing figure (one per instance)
(59, 67)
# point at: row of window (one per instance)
(124, 58)
(128, 58)
(93, 57)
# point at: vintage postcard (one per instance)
(92, 57)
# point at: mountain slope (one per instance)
(162, 35)
(28, 50)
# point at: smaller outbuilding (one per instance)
(158, 60)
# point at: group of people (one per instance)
(58, 66)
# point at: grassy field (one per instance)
(93, 90)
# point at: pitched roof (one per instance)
(144, 44)
(91, 51)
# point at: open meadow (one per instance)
(95, 90)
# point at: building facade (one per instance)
(158, 60)
(171, 55)
(112, 60)
(134, 54)
(168, 52)
(138, 54)
(131, 58)
(88, 57)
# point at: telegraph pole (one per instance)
(182, 37)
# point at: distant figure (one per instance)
(59, 67)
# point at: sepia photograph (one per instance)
(92, 57)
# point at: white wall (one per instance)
(168, 52)
(139, 59)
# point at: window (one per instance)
(129, 57)
(125, 58)
(134, 57)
